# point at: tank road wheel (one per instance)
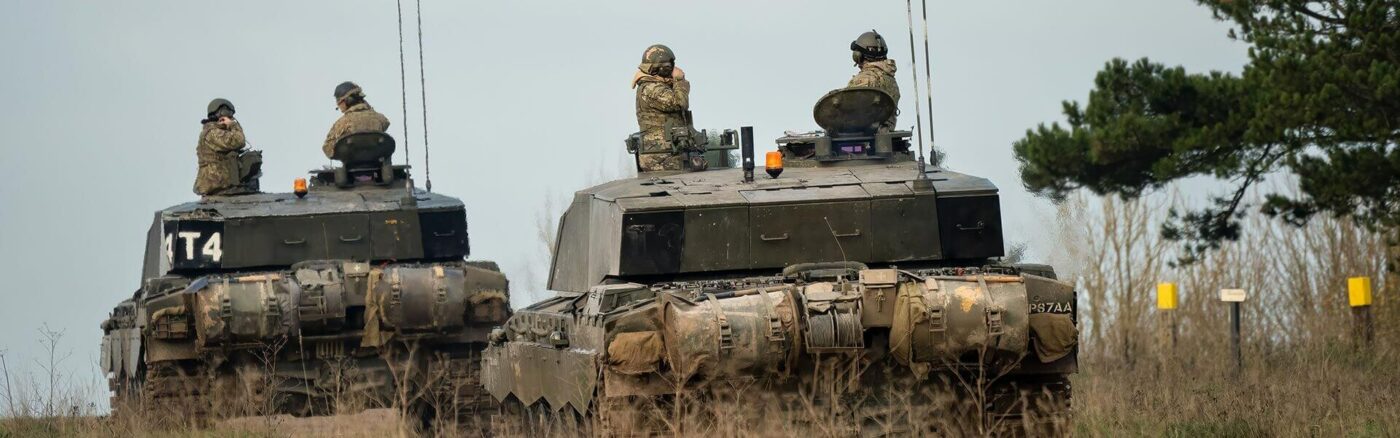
(126, 393)
(178, 393)
(423, 416)
(452, 395)
(511, 414)
(1035, 406)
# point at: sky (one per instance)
(526, 101)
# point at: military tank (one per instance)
(350, 292)
(849, 252)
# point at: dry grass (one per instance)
(1317, 392)
(1155, 373)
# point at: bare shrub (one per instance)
(1150, 372)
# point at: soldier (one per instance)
(663, 99)
(358, 116)
(868, 51)
(220, 142)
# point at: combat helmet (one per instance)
(348, 90)
(869, 46)
(658, 60)
(220, 104)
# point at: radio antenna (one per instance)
(423, 85)
(403, 84)
(928, 82)
(914, 71)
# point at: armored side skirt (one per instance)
(321, 325)
(918, 323)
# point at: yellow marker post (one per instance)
(1359, 296)
(1166, 296)
(1359, 291)
(1166, 302)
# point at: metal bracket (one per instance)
(225, 307)
(936, 321)
(439, 284)
(395, 289)
(994, 325)
(726, 334)
(775, 328)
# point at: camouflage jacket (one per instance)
(879, 74)
(358, 118)
(660, 102)
(218, 150)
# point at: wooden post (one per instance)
(1235, 297)
(1235, 335)
(1359, 296)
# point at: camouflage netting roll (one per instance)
(1055, 335)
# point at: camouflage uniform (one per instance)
(660, 101)
(218, 157)
(880, 75)
(358, 118)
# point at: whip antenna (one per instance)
(928, 82)
(403, 84)
(423, 85)
(914, 71)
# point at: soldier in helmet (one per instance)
(220, 142)
(357, 116)
(663, 99)
(868, 51)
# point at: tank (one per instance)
(849, 251)
(352, 291)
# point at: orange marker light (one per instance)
(299, 187)
(773, 163)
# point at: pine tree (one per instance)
(1320, 98)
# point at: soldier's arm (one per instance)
(670, 99)
(227, 138)
(384, 121)
(337, 130)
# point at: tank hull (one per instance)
(589, 354)
(320, 338)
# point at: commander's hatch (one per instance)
(850, 119)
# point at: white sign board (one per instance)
(1232, 295)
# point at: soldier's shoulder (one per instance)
(652, 82)
(208, 127)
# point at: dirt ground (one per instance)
(370, 423)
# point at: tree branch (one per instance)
(1303, 9)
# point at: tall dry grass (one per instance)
(1159, 373)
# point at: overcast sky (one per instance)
(100, 103)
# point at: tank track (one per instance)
(186, 391)
(456, 395)
(168, 391)
(1034, 406)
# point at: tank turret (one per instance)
(848, 194)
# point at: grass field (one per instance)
(1316, 393)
